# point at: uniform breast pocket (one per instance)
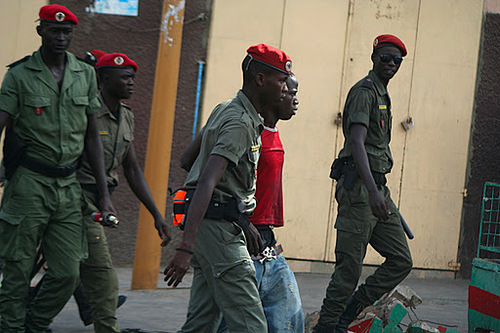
(81, 102)
(36, 104)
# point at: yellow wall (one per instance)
(330, 44)
(17, 23)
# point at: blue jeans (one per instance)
(280, 296)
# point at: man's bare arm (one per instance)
(378, 204)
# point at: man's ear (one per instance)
(39, 30)
(259, 79)
(373, 57)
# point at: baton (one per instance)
(406, 228)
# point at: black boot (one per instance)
(352, 310)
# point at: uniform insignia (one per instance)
(375, 42)
(255, 148)
(103, 132)
(17, 62)
(38, 111)
(60, 16)
(288, 66)
(119, 61)
(382, 122)
(382, 107)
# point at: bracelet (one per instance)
(184, 250)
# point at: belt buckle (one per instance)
(268, 254)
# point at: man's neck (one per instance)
(383, 81)
(53, 60)
(271, 123)
(111, 102)
(254, 99)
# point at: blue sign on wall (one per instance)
(115, 7)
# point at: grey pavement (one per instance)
(164, 309)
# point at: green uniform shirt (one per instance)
(52, 121)
(232, 131)
(368, 104)
(116, 135)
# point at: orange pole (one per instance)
(147, 248)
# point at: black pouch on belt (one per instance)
(351, 175)
(227, 211)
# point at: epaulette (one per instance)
(367, 83)
(86, 60)
(126, 106)
(20, 61)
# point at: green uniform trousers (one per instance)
(39, 211)
(97, 274)
(224, 282)
(356, 228)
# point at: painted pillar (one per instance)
(147, 249)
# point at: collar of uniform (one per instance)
(257, 119)
(36, 62)
(378, 84)
(103, 111)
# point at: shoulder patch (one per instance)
(368, 83)
(20, 61)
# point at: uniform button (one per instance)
(98, 237)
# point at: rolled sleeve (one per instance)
(232, 142)
(9, 96)
(359, 107)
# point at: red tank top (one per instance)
(269, 192)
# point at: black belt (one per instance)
(47, 169)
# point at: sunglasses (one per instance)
(386, 58)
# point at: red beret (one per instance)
(271, 56)
(385, 40)
(57, 14)
(97, 53)
(117, 60)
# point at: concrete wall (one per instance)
(330, 44)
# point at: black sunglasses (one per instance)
(385, 58)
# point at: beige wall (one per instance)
(17, 23)
(330, 44)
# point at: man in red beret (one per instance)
(115, 123)
(48, 101)
(218, 237)
(366, 212)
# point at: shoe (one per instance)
(352, 310)
(121, 300)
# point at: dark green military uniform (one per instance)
(368, 104)
(97, 273)
(38, 209)
(224, 275)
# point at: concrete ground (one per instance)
(164, 309)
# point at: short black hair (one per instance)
(251, 67)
